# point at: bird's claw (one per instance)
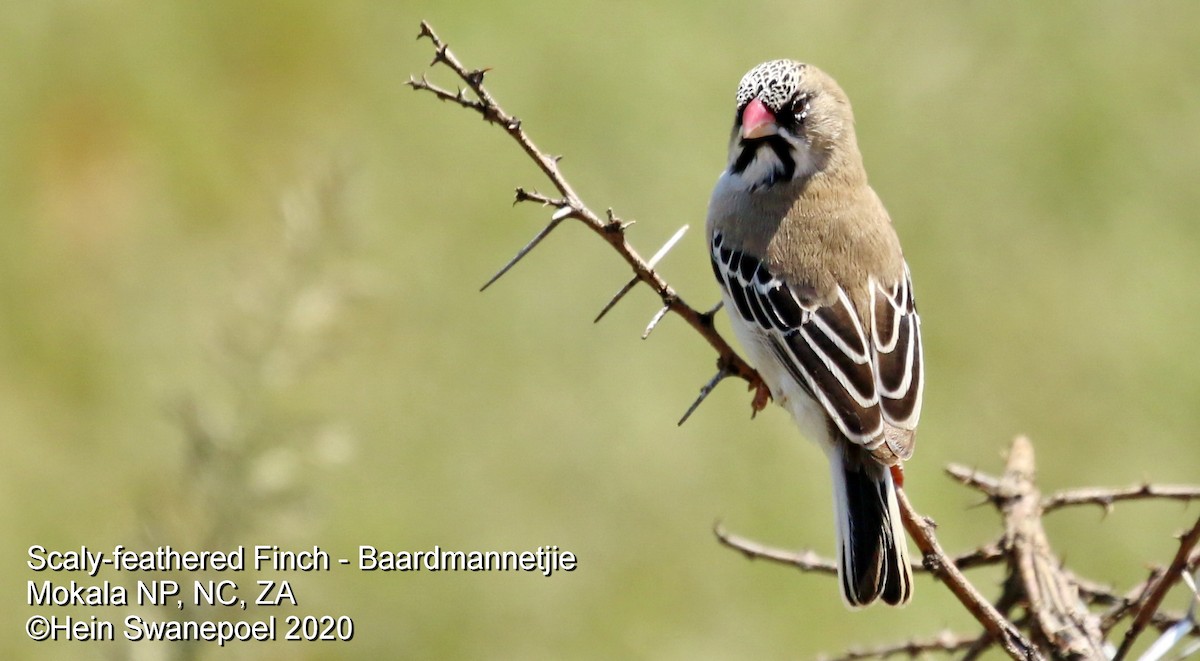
(762, 397)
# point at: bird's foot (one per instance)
(762, 397)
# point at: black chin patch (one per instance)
(784, 170)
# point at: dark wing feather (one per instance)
(866, 378)
(899, 359)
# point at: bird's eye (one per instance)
(798, 108)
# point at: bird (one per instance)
(820, 297)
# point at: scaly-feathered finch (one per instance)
(821, 298)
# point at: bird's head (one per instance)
(792, 121)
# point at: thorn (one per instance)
(439, 55)
(704, 392)
(475, 78)
(627, 224)
(650, 264)
(426, 32)
(655, 319)
(614, 224)
(715, 309)
(1191, 583)
(617, 297)
(667, 246)
(523, 195)
(522, 252)
(514, 125)
(419, 84)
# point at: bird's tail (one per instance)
(872, 548)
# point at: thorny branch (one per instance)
(989, 554)
(1158, 588)
(1053, 598)
(1105, 498)
(569, 205)
(1120, 606)
(1060, 618)
(997, 626)
(945, 642)
(803, 560)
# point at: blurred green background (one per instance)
(239, 274)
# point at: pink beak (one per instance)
(757, 121)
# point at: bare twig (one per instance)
(945, 642)
(1009, 598)
(983, 556)
(1105, 498)
(477, 98)
(942, 567)
(987, 485)
(1122, 606)
(1162, 585)
(803, 560)
(1059, 616)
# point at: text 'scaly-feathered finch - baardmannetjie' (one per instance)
(820, 296)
